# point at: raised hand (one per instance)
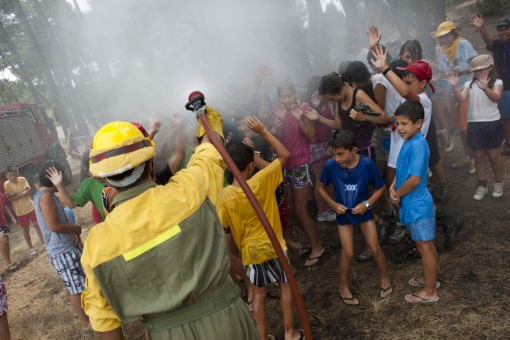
(312, 114)
(248, 142)
(154, 124)
(316, 99)
(297, 112)
(254, 124)
(54, 176)
(380, 61)
(262, 72)
(279, 111)
(452, 78)
(476, 20)
(483, 81)
(373, 36)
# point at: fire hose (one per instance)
(197, 105)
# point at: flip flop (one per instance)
(270, 337)
(89, 331)
(349, 299)
(317, 259)
(384, 290)
(304, 250)
(302, 337)
(421, 285)
(12, 268)
(420, 299)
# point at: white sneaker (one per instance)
(33, 252)
(480, 193)
(326, 216)
(498, 190)
(449, 147)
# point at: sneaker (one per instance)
(408, 253)
(498, 190)
(448, 147)
(443, 193)
(382, 230)
(480, 193)
(326, 216)
(398, 233)
(472, 169)
(460, 164)
(33, 252)
(364, 256)
(451, 226)
(505, 149)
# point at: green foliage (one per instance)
(488, 7)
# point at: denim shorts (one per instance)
(423, 230)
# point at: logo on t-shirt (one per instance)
(351, 187)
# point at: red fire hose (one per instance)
(200, 111)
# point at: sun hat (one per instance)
(481, 61)
(445, 28)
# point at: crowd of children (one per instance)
(359, 140)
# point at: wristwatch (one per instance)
(369, 206)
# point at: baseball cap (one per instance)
(481, 61)
(445, 28)
(421, 70)
(505, 21)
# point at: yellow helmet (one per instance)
(118, 147)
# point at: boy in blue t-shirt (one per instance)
(351, 175)
(409, 191)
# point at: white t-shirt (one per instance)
(397, 141)
(481, 108)
(393, 98)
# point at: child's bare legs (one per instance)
(494, 156)
(480, 166)
(26, 236)
(259, 309)
(370, 233)
(39, 233)
(76, 303)
(467, 149)
(428, 254)
(5, 250)
(296, 198)
(438, 170)
(4, 328)
(346, 240)
(287, 311)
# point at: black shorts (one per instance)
(485, 135)
(368, 152)
(432, 142)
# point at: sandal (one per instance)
(315, 259)
(12, 268)
(384, 290)
(421, 285)
(344, 299)
(420, 299)
(270, 337)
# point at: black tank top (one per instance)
(362, 132)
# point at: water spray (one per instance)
(197, 105)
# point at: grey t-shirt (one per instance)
(56, 243)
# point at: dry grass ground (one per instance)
(474, 294)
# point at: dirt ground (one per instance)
(474, 294)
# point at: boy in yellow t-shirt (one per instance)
(261, 264)
(17, 190)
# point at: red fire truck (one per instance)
(28, 138)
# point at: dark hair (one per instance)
(286, 85)
(359, 72)
(398, 63)
(242, 155)
(11, 168)
(412, 110)
(311, 87)
(125, 174)
(493, 76)
(414, 47)
(343, 66)
(333, 83)
(342, 139)
(45, 182)
(371, 55)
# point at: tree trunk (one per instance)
(319, 46)
(439, 12)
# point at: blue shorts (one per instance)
(504, 105)
(423, 230)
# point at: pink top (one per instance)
(295, 141)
